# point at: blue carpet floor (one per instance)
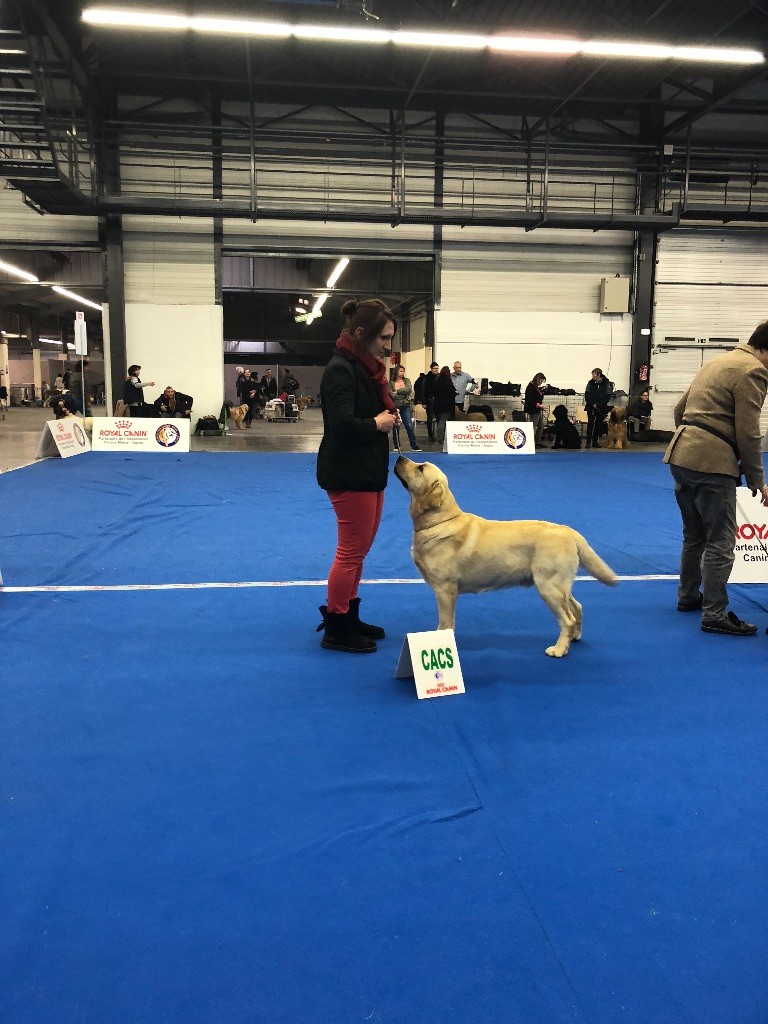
(207, 819)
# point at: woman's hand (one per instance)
(385, 421)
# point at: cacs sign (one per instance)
(751, 562)
(433, 661)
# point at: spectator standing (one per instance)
(133, 391)
(596, 395)
(429, 398)
(533, 406)
(268, 385)
(717, 439)
(353, 462)
(246, 391)
(289, 385)
(444, 400)
(461, 382)
(401, 392)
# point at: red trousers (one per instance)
(358, 514)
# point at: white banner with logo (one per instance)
(63, 437)
(470, 438)
(140, 435)
(751, 565)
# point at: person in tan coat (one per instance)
(717, 439)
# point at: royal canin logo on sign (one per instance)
(752, 531)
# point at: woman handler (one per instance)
(353, 462)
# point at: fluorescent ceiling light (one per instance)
(77, 298)
(525, 44)
(12, 53)
(452, 40)
(320, 302)
(338, 270)
(25, 275)
(336, 32)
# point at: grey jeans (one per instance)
(707, 503)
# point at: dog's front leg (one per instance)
(446, 595)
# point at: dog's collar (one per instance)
(421, 529)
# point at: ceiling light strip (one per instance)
(24, 275)
(77, 298)
(122, 18)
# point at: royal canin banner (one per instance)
(470, 438)
(751, 565)
(140, 435)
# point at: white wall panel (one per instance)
(566, 346)
(20, 223)
(512, 305)
(344, 239)
(180, 345)
(169, 266)
(507, 291)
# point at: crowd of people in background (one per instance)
(441, 391)
(256, 393)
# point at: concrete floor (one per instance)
(21, 429)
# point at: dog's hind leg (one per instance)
(558, 600)
(578, 615)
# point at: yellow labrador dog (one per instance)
(458, 553)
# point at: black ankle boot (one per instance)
(364, 628)
(340, 634)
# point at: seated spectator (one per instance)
(639, 413)
(173, 403)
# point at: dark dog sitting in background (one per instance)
(564, 432)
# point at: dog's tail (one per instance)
(593, 563)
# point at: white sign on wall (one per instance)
(111, 434)
(469, 438)
(751, 565)
(81, 335)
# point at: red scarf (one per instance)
(376, 370)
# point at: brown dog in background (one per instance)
(617, 429)
(238, 414)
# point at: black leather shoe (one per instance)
(691, 606)
(728, 625)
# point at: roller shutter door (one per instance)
(711, 292)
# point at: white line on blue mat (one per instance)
(254, 584)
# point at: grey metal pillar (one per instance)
(115, 357)
(437, 235)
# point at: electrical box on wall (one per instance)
(614, 295)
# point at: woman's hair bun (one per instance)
(349, 307)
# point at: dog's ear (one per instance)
(434, 497)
